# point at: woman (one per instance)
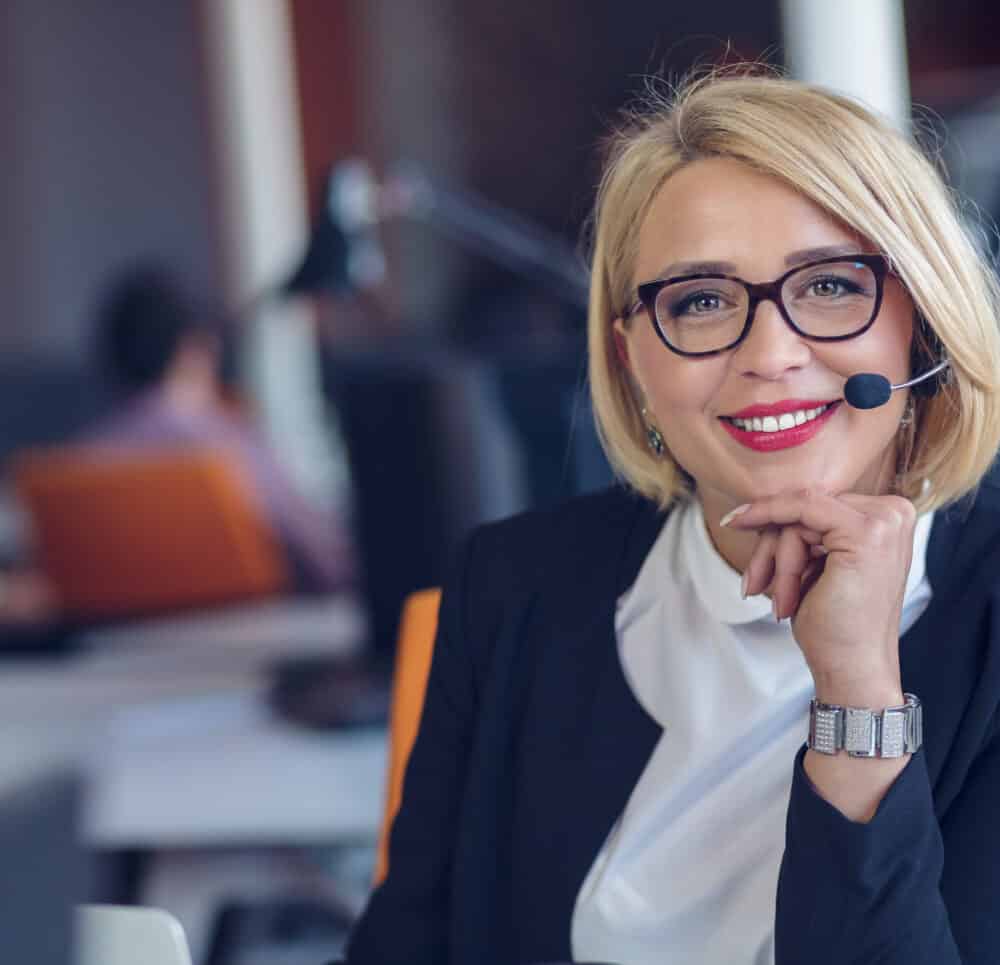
(610, 764)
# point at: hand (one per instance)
(837, 565)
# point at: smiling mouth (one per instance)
(770, 423)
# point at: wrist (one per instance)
(872, 694)
(874, 687)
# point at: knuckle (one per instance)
(904, 509)
(895, 514)
(878, 529)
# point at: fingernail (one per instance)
(743, 584)
(733, 513)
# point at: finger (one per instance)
(812, 572)
(790, 560)
(896, 513)
(810, 536)
(760, 569)
(840, 524)
(877, 506)
(889, 525)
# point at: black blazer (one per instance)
(531, 742)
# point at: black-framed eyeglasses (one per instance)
(827, 301)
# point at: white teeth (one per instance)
(786, 420)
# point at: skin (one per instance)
(822, 536)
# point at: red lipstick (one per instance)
(783, 438)
(778, 408)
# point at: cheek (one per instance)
(882, 350)
(677, 389)
(892, 334)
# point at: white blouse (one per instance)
(688, 873)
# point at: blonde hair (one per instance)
(873, 179)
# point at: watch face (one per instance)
(824, 730)
(859, 731)
(893, 742)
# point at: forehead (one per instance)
(718, 209)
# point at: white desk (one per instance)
(220, 770)
(231, 638)
(188, 753)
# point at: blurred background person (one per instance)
(163, 352)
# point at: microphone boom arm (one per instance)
(923, 375)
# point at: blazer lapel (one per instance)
(584, 741)
(962, 543)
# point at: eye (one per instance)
(830, 286)
(698, 303)
(826, 286)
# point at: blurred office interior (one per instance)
(385, 204)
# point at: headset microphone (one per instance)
(867, 390)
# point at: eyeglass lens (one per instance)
(708, 314)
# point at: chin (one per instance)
(785, 480)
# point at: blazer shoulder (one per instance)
(965, 541)
(514, 558)
(506, 566)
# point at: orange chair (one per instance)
(414, 648)
(126, 535)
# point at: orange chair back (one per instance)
(128, 535)
(414, 648)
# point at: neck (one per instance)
(188, 394)
(190, 383)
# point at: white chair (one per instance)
(121, 935)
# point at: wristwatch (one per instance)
(861, 732)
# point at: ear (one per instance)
(621, 343)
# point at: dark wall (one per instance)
(512, 99)
(104, 158)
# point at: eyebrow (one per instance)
(800, 257)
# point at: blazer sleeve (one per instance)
(406, 919)
(902, 889)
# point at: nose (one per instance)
(772, 347)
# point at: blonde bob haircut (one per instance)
(869, 176)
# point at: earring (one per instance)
(653, 437)
(908, 413)
(904, 453)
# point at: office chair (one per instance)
(119, 935)
(431, 455)
(414, 648)
(125, 535)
